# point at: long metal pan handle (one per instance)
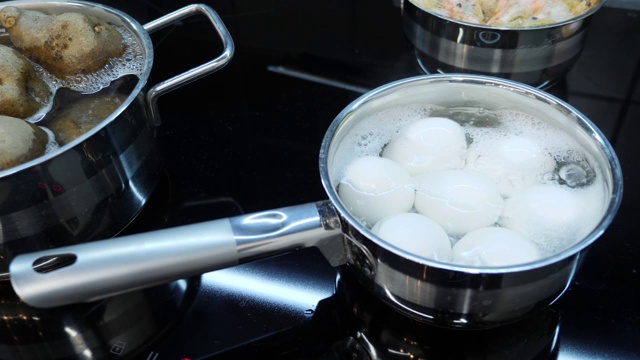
(99, 269)
(197, 72)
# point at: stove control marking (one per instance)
(118, 348)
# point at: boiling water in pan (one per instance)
(547, 187)
(132, 62)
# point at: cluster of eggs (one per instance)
(499, 195)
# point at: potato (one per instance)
(67, 44)
(80, 116)
(22, 92)
(20, 141)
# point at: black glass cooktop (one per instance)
(247, 137)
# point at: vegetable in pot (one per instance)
(22, 92)
(78, 117)
(20, 141)
(66, 44)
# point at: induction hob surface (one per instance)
(246, 139)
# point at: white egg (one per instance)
(375, 187)
(515, 163)
(415, 234)
(552, 216)
(494, 246)
(459, 200)
(429, 144)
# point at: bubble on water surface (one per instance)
(576, 173)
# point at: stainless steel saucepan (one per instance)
(427, 290)
(93, 186)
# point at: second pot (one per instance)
(539, 56)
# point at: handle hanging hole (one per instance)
(49, 263)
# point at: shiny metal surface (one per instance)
(95, 185)
(100, 269)
(447, 294)
(537, 56)
(300, 226)
(199, 71)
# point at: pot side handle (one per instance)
(197, 72)
(100, 269)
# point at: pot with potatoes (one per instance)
(79, 147)
(463, 201)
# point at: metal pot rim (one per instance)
(481, 80)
